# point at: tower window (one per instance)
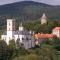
(5, 38)
(9, 28)
(9, 38)
(9, 24)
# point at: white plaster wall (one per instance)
(9, 21)
(9, 35)
(16, 37)
(59, 33)
(21, 37)
(56, 32)
(3, 37)
(43, 21)
(21, 28)
(10, 24)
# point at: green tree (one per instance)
(4, 51)
(12, 47)
(12, 44)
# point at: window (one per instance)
(9, 28)
(22, 38)
(5, 38)
(9, 24)
(9, 38)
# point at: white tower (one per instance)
(10, 29)
(21, 28)
(43, 19)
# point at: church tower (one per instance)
(10, 29)
(43, 19)
(21, 28)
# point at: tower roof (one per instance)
(10, 19)
(21, 25)
(44, 35)
(43, 16)
(56, 28)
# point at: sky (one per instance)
(51, 2)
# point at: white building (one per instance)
(24, 36)
(56, 31)
(43, 19)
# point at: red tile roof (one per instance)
(44, 35)
(56, 28)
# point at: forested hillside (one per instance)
(27, 11)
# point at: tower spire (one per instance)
(21, 28)
(43, 19)
(21, 24)
(44, 16)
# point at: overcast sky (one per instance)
(52, 2)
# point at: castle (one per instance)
(24, 36)
(21, 34)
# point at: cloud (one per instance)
(53, 2)
(8, 1)
(27, 0)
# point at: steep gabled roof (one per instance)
(56, 28)
(43, 16)
(44, 35)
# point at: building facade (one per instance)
(56, 31)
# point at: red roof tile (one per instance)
(56, 28)
(44, 35)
